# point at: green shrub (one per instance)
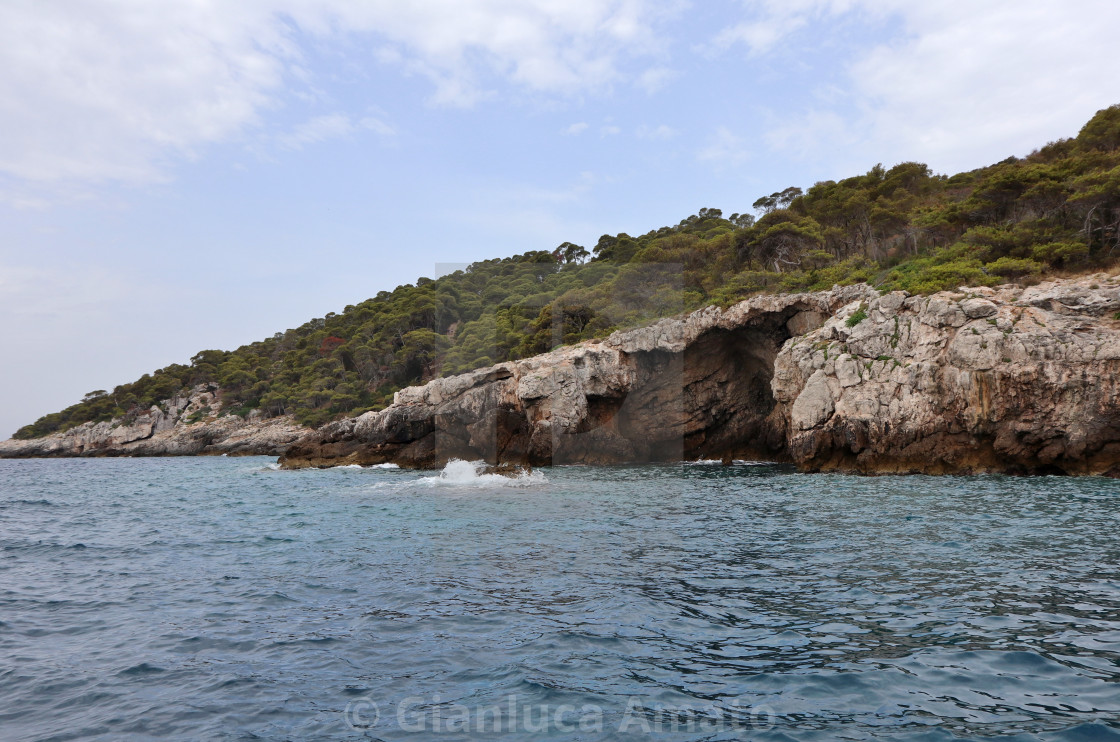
(1060, 254)
(1014, 268)
(857, 316)
(928, 275)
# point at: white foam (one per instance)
(385, 466)
(351, 466)
(459, 473)
(718, 462)
(274, 466)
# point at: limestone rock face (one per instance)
(692, 386)
(185, 425)
(1005, 380)
(975, 380)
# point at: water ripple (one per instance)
(220, 598)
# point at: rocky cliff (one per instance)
(680, 388)
(187, 425)
(1012, 379)
(1009, 380)
(977, 380)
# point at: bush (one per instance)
(1060, 254)
(928, 276)
(857, 316)
(1014, 268)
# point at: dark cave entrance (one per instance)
(714, 401)
(727, 393)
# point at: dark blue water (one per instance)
(217, 599)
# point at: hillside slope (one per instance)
(1054, 212)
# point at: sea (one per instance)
(224, 599)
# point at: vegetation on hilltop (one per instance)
(1056, 210)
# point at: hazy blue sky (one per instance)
(190, 174)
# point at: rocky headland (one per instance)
(187, 425)
(1011, 379)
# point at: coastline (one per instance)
(979, 380)
(1006, 380)
(189, 424)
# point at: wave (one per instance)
(719, 462)
(459, 473)
(14, 503)
(354, 467)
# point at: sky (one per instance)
(194, 174)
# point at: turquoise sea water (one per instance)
(217, 598)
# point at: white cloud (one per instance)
(1002, 77)
(576, 129)
(316, 130)
(660, 133)
(542, 44)
(775, 20)
(527, 194)
(804, 135)
(656, 78)
(759, 36)
(377, 126)
(609, 130)
(330, 126)
(23, 201)
(724, 149)
(961, 85)
(102, 90)
(96, 91)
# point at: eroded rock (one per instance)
(999, 382)
(185, 425)
(686, 387)
(963, 381)
(974, 380)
